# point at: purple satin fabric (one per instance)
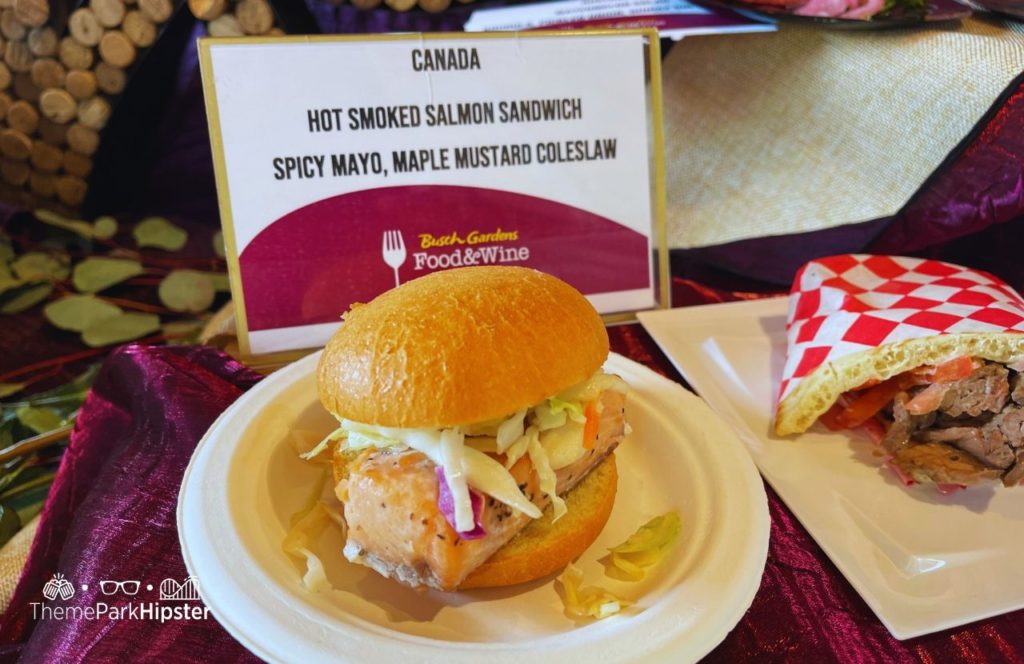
(111, 512)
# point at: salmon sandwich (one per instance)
(476, 427)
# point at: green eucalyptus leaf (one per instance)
(77, 226)
(104, 228)
(7, 279)
(6, 252)
(96, 273)
(125, 327)
(39, 418)
(218, 244)
(78, 312)
(160, 233)
(10, 523)
(7, 389)
(187, 290)
(37, 266)
(220, 282)
(24, 297)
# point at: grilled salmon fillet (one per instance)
(396, 528)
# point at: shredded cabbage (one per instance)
(544, 418)
(454, 474)
(491, 478)
(511, 430)
(514, 453)
(647, 546)
(547, 478)
(322, 445)
(588, 602)
(572, 409)
(307, 525)
(564, 446)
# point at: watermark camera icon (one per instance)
(58, 586)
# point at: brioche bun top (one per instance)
(460, 346)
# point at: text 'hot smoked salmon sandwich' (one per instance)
(476, 427)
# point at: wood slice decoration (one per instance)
(81, 83)
(33, 13)
(10, 26)
(94, 112)
(23, 116)
(366, 4)
(73, 55)
(15, 144)
(139, 29)
(82, 139)
(207, 10)
(77, 164)
(157, 11)
(14, 172)
(111, 79)
(116, 49)
(225, 26)
(48, 73)
(71, 190)
(17, 56)
(85, 28)
(58, 106)
(45, 157)
(57, 90)
(255, 16)
(42, 41)
(109, 13)
(434, 6)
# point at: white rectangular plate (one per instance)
(922, 561)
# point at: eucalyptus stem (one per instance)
(42, 480)
(35, 443)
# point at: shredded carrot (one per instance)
(591, 427)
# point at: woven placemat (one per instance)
(805, 129)
(12, 560)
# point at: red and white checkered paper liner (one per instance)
(849, 303)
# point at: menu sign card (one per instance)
(347, 166)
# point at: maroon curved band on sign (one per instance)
(310, 265)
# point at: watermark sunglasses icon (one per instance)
(126, 587)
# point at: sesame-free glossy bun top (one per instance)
(460, 346)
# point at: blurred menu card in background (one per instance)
(346, 166)
(674, 19)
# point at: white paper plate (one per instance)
(244, 483)
(922, 561)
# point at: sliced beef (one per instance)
(942, 464)
(1010, 423)
(904, 424)
(986, 443)
(984, 391)
(1014, 476)
(1017, 389)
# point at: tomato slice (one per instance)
(956, 369)
(865, 405)
(592, 425)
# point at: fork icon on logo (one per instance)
(394, 251)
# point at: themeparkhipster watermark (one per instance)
(173, 600)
